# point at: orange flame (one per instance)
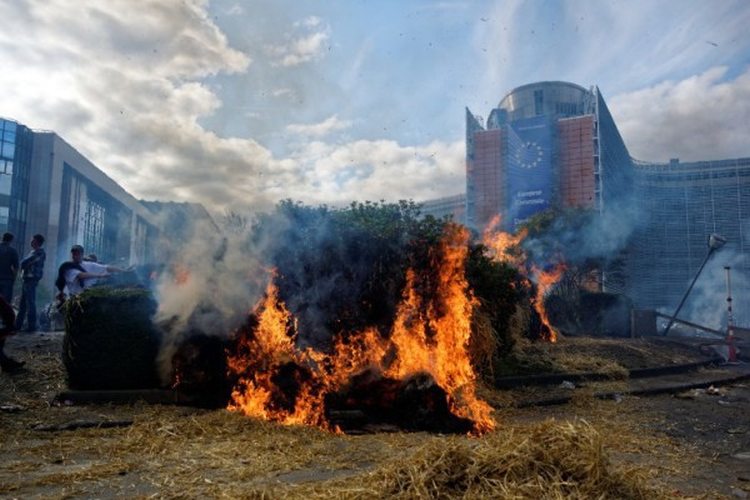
(181, 274)
(506, 247)
(427, 336)
(545, 280)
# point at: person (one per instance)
(32, 268)
(77, 275)
(8, 267)
(8, 317)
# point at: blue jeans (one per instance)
(28, 302)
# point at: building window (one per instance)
(93, 227)
(6, 182)
(538, 102)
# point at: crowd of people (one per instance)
(73, 277)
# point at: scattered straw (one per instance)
(546, 460)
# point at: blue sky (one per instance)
(237, 104)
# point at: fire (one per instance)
(445, 356)
(506, 247)
(545, 280)
(181, 274)
(428, 336)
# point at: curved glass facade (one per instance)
(685, 203)
(547, 144)
(559, 99)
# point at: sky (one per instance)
(239, 104)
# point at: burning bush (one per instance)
(367, 297)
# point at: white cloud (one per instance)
(703, 117)
(374, 170)
(309, 22)
(126, 88)
(330, 124)
(301, 48)
(281, 92)
(235, 10)
(123, 86)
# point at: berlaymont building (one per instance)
(555, 145)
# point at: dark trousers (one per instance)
(28, 303)
(6, 290)
(8, 317)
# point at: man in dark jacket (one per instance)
(8, 267)
(33, 268)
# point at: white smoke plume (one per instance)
(208, 286)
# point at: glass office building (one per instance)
(16, 143)
(546, 145)
(48, 187)
(556, 145)
(683, 204)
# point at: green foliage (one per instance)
(340, 270)
(579, 238)
(499, 289)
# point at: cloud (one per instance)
(310, 22)
(321, 129)
(589, 42)
(702, 117)
(281, 92)
(124, 86)
(301, 48)
(132, 100)
(374, 170)
(235, 10)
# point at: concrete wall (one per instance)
(47, 201)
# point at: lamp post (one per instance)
(715, 241)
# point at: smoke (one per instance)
(207, 286)
(580, 236)
(707, 303)
(336, 269)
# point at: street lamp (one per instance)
(715, 241)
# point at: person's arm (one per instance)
(115, 269)
(28, 261)
(86, 275)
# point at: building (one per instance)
(555, 145)
(453, 207)
(48, 187)
(684, 203)
(546, 145)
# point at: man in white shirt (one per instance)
(80, 275)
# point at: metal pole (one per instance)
(684, 297)
(730, 317)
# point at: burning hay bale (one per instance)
(110, 341)
(369, 310)
(416, 403)
(199, 367)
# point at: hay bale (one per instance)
(199, 370)
(110, 340)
